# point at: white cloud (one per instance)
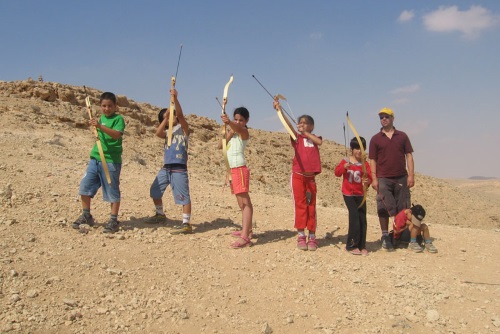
(470, 22)
(406, 16)
(316, 35)
(406, 89)
(399, 102)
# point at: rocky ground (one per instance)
(55, 279)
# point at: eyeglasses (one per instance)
(385, 116)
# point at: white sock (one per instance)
(186, 217)
(159, 210)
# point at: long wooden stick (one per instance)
(98, 140)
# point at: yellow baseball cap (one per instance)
(387, 111)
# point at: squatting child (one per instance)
(408, 227)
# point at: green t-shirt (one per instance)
(112, 148)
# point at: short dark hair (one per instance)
(108, 96)
(308, 119)
(355, 144)
(162, 113)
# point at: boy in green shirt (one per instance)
(110, 128)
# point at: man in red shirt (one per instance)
(392, 168)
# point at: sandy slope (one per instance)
(142, 279)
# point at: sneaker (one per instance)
(415, 247)
(83, 220)
(301, 243)
(112, 226)
(156, 219)
(431, 248)
(182, 229)
(386, 243)
(312, 245)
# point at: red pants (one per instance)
(305, 213)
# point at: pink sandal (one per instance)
(237, 234)
(354, 251)
(238, 244)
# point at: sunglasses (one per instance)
(385, 116)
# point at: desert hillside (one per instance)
(54, 279)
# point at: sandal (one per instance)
(365, 252)
(354, 251)
(239, 244)
(237, 234)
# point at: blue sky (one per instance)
(435, 63)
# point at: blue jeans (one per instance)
(177, 179)
(95, 178)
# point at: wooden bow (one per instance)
(171, 114)
(281, 116)
(363, 158)
(172, 104)
(224, 129)
(98, 140)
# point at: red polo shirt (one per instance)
(390, 154)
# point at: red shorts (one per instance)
(241, 180)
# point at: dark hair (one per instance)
(418, 211)
(243, 112)
(355, 144)
(162, 113)
(108, 96)
(308, 119)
